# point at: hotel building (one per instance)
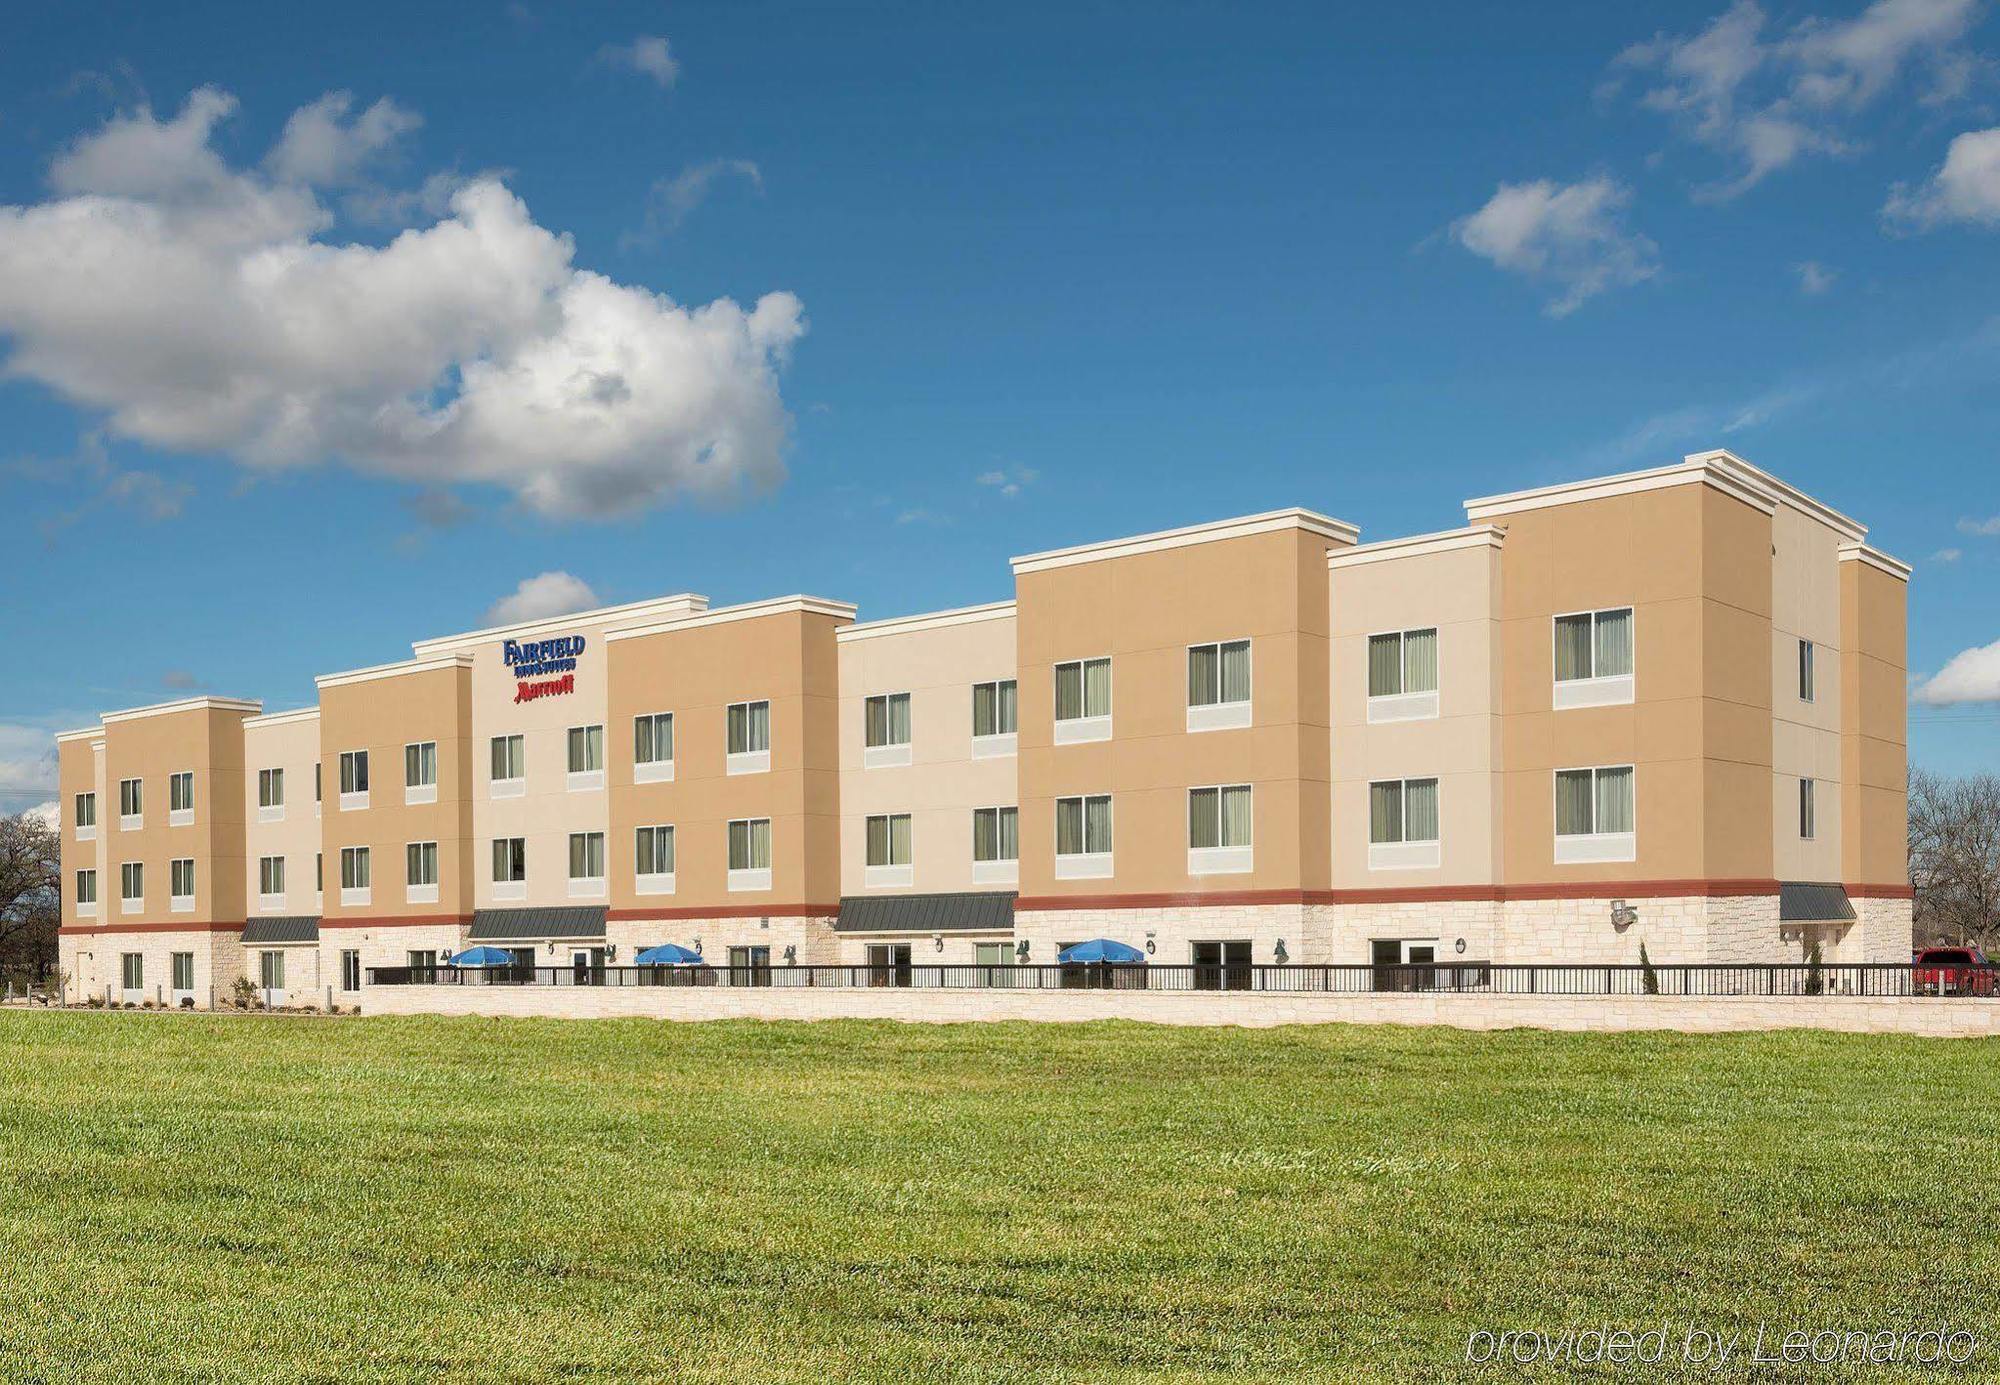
(1662, 708)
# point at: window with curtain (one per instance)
(750, 844)
(995, 708)
(510, 860)
(1083, 689)
(420, 764)
(1807, 682)
(889, 839)
(1807, 793)
(996, 834)
(1402, 661)
(270, 875)
(86, 887)
(510, 757)
(354, 771)
(271, 970)
(886, 719)
(180, 878)
(749, 727)
(1594, 644)
(1402, 810)
(1219, 816)
(1083, 825)
(132, 880)
(86, 810)
(653, 738)
(354, 868)
(183, 971)
(655, 851)
(132, 970)
(420, 862)
(270, 788)
(586, 749)
(180, 792)
(130, 802)
(1218, 673)
(586, 855)
(1594, 802)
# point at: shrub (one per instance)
(1815, 970)
(243, 993)
(1649, 979)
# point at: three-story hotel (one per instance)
(1665, 708)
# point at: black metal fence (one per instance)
(1472, 978)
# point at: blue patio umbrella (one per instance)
(1100, 950)
(669, 955)
(483, 957)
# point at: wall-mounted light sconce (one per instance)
(697, 947)
(1021, 950)
(1623, 915)
(611, 952)
(764, 922)
(1151, 945)
(1459, 947)
(1278, 953)
(791, 955)
(937, 941)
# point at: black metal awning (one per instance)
(533, 925)
(989, 912)
(1812, 903)
(282, 928)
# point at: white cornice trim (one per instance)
(1242, 527)
(408, 666)
(750, 610)
(1729, 481)
(87, 733)
(1877, 559)
(930, 620)
(284, 718)
(185, 704)
(653, 609)
(1417, 545)
(1723, 459)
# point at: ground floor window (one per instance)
(1403, 964)
(183, 971)
(749, 966)
(271, 970)
(1222, 966)
(422, 963)
(888, 964)
(350, 970)
(132, 966)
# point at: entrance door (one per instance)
(1222, 966)
(1404, 964)
(587, 966)
(751, 966)
(888, 964)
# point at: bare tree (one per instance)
(1955, 857)
(30, 902)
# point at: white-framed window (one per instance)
(270, 795)
(86, 892)
(508, 763)
(1403, 824)
(319, 775)
(420, 772)
(1083, 700)
(586, 758)
(271, 973)
(355, 876)
(889, 863)
(653, 748)
(1808, 679)
(180, 885)
(271, 883)
(182, 965)
(353, 780)
(420, 872)
(1403, 675)
(350, 969)
(132, 886)
(1808, 806)
(1593, 658)
(1083, 837)
(1218, 694)
(180, 798)
(132, 975)
(885, 730)
(131, 805)
(750, 854)
(996, 846)
(86, 817)
(996, 718)
(653, 859)
(586, 865)
(1595, 815)
(1219, 830)
(749, 737)
(319, 873)
(510, 868)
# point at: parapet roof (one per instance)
(1243, 526)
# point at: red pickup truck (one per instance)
(1953, 971)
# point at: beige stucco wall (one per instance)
(287, 741)
(937, 665)
(1874, 725)
(1805, 736)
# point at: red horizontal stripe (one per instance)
(84, 930)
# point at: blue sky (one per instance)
(862, 302)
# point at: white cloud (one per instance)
(204, 309)
(28, 763)
(1814, 277)
(541, 598)
(1010, 481)
(1982, 528)
(1947, 555)
(1965, 188)
(1768, 100)
(1973, 675)
(48, 814)
(318, 149)
(647, 55)
(1570, 235)
(672, 200)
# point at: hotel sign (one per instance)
(543, 668)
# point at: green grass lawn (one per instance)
(236, 1198)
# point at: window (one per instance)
(1594, 814)
(1807, 687)
(420, 772)
(180, 798)
(270, 795)
(132, 970)
(420, 867)
(1403, 824)
(586, 757)
(1083, 837)
(888, 847)
(131, 805)
(317, 776)
(1807, 794)
(510, 766)
(355, 885)
(886, 730)
(271, 970)
(350, 969)
(1403, 675)
(749, 737)
(1593, 658)
(510, 867)
(422, 962)
(271, 878)
(586, 864)
(653, 747)
(1219, 830)
(86, 888)
(750, 854)
(653, 854)
(86, 815)
(1083, 700)
(132, 885)
(319, 872)
(996, 834)
(353, 779)
(996, 716)
(1218, 685)
(183, 970)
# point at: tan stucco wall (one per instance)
(290, 744)
(208, 741)
(1874, 725)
